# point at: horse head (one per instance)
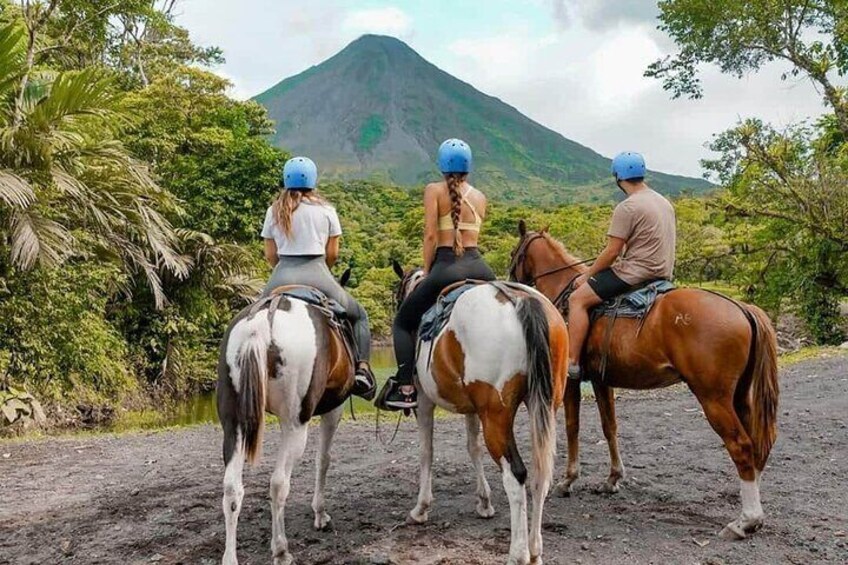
(521, 261)
(408, 280)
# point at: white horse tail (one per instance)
(540, 401)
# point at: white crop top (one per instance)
(312, 225)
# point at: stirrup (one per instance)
(392, 399)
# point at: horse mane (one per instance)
(559, 248)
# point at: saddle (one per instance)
(436, 318)
(334, 312)
(637, 304)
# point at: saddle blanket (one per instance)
(635, 304)
(311, 296)
(435, 319)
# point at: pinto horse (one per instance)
(284, 356)
(725, 351)
(501, 347)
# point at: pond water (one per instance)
(203, 409)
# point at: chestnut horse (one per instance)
(501, 347)
(725, 351)
(283, 356)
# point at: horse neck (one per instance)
(552, 285)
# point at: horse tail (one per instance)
(252, 369)
(540, 399)
(764, 387)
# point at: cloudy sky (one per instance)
(573, 65)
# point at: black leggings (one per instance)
(447, 269)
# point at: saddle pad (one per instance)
(634, 304)
(315, 297)
(435, 319)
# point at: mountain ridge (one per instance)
(378, 110)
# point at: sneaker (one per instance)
(575, 373)
(364, 383)
(396, 396)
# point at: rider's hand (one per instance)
(579, 281)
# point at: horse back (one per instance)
(687, 333)
(481, 353)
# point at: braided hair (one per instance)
(454, 181)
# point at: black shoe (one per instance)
(364, 383)
(396, 396)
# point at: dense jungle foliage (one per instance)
(132, 191)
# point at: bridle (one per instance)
(520, 254)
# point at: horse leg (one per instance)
(498, 433)
(329, 424)
(605, 397)
(291, 450)
(420, 513)
(726, 423)
(475, 450)
(233, 495)
(572, 432)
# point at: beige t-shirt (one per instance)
(646, 221)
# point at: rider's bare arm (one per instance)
(271, 252)
(431, 224)
(331, 251)
(615, 245)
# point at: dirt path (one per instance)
(155, 498)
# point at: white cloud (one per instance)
(588, 84)
(386, 21)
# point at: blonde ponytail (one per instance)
(287, 202)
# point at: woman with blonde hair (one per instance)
(302, 232)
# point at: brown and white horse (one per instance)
(285, 358)
(725, 351)
(499, 349)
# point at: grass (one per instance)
(807, 353)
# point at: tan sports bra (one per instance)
(446, 222)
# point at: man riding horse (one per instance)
(640, 249)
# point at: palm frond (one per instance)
(14, 190)
(36, 239)
(12, 55)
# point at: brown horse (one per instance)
(501, 347)
(725, 351)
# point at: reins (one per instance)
(560, 269)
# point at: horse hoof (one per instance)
(609, 488)
(537, 560)
(416, 518)
(562, 489)
(229, 560)
(284, 559)
(733, 532)
(322, 522)
(485, 511)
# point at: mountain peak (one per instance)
(378, 110)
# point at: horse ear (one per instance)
(546, 228)
(345, 277)
(522, 227)
(397, 268)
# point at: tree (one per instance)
(741, 37)
(68, 185)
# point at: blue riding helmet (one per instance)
(454, 157)
(300, 173)
(628, 165)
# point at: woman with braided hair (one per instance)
(453, 214)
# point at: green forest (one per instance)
(133, 189)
